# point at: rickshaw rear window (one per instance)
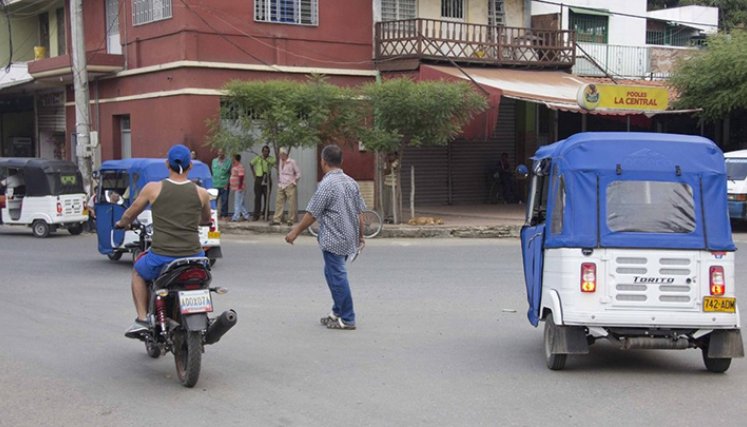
(736, 169)
(65, 183)
(650, 207)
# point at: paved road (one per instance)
(439, 343)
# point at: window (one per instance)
(496, 13)
(650, 207)
(61, 40)
(589, 28)
(736, 169)
(556, 227)
(305, 12)
(146, 11)
(452, 9)
(394, 10)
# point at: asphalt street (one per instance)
(442, 340)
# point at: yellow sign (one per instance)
(621, 97)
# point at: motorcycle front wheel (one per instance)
(188, 357)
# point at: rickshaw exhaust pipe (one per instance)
(654, 343)
(220, 326)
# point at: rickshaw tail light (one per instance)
(59, 208)
(716, 281)
(588, 277)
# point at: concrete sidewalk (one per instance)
(469, 221)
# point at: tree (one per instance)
(407, 113)
(282, 113)
(716, 79)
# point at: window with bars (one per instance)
(303, 12)
(589, 28)
(146, 11)
(452, 9)
(393, 10)
(496, 13)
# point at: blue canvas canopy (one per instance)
(590, 173)
(144, 170)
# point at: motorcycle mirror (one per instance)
(113, 197)
(213, 192)
(522, 170)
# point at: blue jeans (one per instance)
(149, 265)
(223, 196)
(339, 287)
(239, 209)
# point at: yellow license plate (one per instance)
(723, 304)
(213, 234)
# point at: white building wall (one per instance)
(703, 17)
(623, 30)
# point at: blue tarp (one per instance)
(148, 170)
(589, 162)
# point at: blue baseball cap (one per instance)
(180, 159)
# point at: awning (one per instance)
(584, 11)
(16, 75)
(557, 90)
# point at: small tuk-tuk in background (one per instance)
(627, 238)
(42, 194)
(119, 183)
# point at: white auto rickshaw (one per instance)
(627, 238)
(42, 194)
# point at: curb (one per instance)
(390, 231)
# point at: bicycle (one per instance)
(372, 225)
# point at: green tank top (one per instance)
(176, 220)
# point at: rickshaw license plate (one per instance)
(723, 304)
(213, 234)
(195, 301)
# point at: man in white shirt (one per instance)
(289, 174)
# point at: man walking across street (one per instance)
(236, 184)
(221, 172)
(178, 207)
(288, 176)
(338, 207)
(262, 170)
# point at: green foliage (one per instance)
(423, 113)
(716, 79)
(281, 113)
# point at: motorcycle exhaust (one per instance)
(655, 343)
(220, 326)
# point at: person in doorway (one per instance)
(236, 184)
(506, 176)
(178, 207)
(391, 171)
(262, 170)
(221, 168)
(193, 155)
(288, 176)
(338, 207)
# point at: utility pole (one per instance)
(80, 84)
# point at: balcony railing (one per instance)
(474, 43)
(642, 62)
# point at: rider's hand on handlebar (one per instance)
(120, 225)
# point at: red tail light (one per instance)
(588, 277)
(192, 274)
(59, 208)
(716, 280)
(212, 225)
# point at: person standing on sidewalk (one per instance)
(236, 184)
(338, 207)
(261, 170)
(221, 172)
(288, 176)
(391, 170)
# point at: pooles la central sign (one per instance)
(620, 97)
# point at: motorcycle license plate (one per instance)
(213, 234)
(723, 304)
(195, 301)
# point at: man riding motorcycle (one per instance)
(178, 207)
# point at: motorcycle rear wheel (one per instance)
(188, 357)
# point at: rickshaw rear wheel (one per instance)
(554, 361)
(213, 261)
(75, 229)
(114, 256)
(714, 364)
(40, 228)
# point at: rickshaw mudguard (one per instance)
(532, 238)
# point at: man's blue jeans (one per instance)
(239, 209)
(223, 196)
(337, 280)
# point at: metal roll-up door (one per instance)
(51, 119)
(431, 175)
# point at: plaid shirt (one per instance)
(336, 205)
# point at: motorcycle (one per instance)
(179, 303)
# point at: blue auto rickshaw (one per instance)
(119, 183)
